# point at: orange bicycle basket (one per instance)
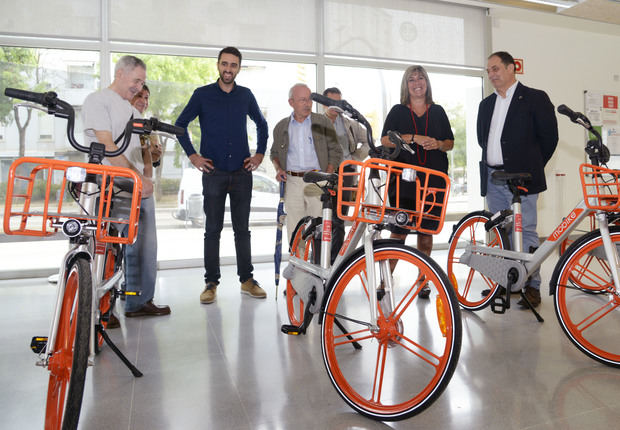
(431, 201)
(34, 203)
(601, 188)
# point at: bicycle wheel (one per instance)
(304, 249)
(69, 359)
(589, 312)
(467, 282)
(405, 365)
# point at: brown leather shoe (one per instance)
(113, 322)
(149, 309)
(533, 295)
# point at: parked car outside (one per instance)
(265, 199)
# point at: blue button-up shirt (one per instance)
(223, 125)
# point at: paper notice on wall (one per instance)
(610, 110)
(594, 107)
(613, 140)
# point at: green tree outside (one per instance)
(172, 80)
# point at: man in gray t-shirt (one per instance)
(105, 115)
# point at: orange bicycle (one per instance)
(88, 210)
(389, 354)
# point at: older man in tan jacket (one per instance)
(303, 142)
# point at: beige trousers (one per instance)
(300, 199)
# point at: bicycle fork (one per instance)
(370, 276)
(610, 250)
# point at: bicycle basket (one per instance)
(430, 200)
(601, 188)
(37, 201)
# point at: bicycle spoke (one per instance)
(353, 339)
(584, 272)
(400, 308)
(595, 316)
(586, 300)
(379, 372)
(428, 352)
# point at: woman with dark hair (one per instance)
(150, 144)
(425, 126)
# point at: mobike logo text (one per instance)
(565, 224)
(100, 248)
(327, 231)
(518, 223)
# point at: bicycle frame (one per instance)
(357, 231)
(370, 215)
(94, 238)
(485, 259)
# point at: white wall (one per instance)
(563, 56)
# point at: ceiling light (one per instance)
(564, 4)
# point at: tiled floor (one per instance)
(227, 366)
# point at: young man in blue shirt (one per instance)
(225, 160)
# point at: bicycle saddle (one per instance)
(500, 175)
(124, 184)
(314, 177)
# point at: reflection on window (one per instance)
(81, 76)
(46, 126)
(374, 91)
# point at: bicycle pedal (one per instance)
(292, 330)
(38, 344)
(499, 305)
(124, 293)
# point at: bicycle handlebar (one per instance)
(63, 109)
(144, 126)
(574, 116)
(381, 152)
(596, 150)
(345, 106)
(46, 99)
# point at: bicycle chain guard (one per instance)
(494, 267)
(303, 283)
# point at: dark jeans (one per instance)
(215, 187)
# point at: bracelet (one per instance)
(412, 142)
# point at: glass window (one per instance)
(287, 25)
(429, 31)
(46, 126)
(178, 185)
(64, 18)
(374, 91)
(82, 75)
(32, 132)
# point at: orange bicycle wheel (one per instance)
(589, 311)
(69, 359)
(467, 282)
(406, 362)
(304, 249)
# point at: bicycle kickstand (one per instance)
(134, 370)
(301, 329)
(529, 305)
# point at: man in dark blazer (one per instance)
(518, 132)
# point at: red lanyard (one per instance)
(422, 163)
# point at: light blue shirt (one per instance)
(301, 155)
